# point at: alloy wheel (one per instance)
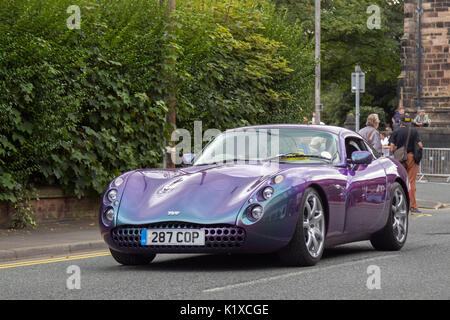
(400, 215)
(314, 225)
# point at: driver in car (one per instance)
(317, 145)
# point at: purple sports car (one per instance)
(289, 189)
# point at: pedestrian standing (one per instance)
(395, 119)
(385, 143)
(407, 137)
(370, 132)
(388, 129)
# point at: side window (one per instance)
(353, 144)
(350, 147)
(362, 145)
(369, 148)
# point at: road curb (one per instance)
(60, 249)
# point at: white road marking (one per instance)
(293, 274)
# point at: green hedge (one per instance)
(77, 107)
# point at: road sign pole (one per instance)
(358, 86)
(357, 71)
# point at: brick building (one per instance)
(434, 64)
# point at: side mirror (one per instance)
(361, 157)
(187, 159)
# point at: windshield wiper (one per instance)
(229, 160)
(204, 164)
(221, 162)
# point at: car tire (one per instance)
(393, 236)
(129, 259)
(310, 224)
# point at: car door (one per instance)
(366, 190)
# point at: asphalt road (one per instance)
(433, 191)
(420, 271)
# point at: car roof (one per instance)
(325, 128)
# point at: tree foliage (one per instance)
(346, 42)
(77, 107)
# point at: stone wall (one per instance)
(435, 60)
(435, 137)
(53, 205)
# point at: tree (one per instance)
(347, 41)
(80, 106)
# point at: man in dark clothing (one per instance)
(396, 118)
(398, 140)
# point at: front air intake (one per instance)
(216, 236)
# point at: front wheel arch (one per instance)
(385, 239)
(298, 252)
(405, 189)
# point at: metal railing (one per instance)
(435, 163)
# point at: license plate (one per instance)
(173, 237)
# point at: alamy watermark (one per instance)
(74, 21)
(74, 280)
(374, 21)
(374, 279)
(237, 145)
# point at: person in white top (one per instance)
(385, 144)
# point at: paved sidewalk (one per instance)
(51, 238)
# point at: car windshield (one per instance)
(284, 145)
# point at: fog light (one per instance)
(112, 195)
(109, 214)
(256, 213)
(267, 193)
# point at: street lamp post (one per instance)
(172, 98)
(317, 104)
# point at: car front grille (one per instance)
(216, 236)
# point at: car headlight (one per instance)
(256, 212)
(108, 216)
(112, 195)
(267, 193)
